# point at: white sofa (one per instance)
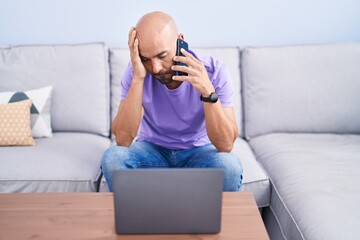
(297, 109)
(302, 120)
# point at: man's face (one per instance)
(157, 56)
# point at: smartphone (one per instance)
(179, 45)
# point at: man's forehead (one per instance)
(153, 55)
(154, 48)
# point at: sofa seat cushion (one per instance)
(254, 178)
(316, 183)
(64, 163)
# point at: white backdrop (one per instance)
(204, 22)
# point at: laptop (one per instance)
(168, 201)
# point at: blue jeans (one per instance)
(147, 155)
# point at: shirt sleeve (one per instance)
(223, 85)
(126, 81)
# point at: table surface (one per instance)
(91, 216)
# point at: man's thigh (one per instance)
(138, 155)
(208, 157)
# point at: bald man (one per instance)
(186, 121)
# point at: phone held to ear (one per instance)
(179, 45)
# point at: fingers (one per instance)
(187, 54)
(181, 78)
(195, 69)
(136, 46)
(191, 79)
(131, 38)
(180, 59)
(188, 58)
(185, 69)
(133, 42)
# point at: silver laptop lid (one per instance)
(150, 201)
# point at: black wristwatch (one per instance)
(212, 98)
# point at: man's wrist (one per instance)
(211, 98)
(207, 92)
(138, 79)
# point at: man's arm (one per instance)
(127, 121)
(220, 121)
(221, 126)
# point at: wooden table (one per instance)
(91, 216)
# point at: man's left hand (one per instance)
(197, 74)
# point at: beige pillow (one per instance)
(15, 127)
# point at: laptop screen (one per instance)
(150, 201)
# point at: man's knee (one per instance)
(138, 154)
(114, 158)
(233, 171)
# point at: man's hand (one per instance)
(138, 66)
(197, 74)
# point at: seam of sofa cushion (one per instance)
(107, 87)
(262, 193)
(49, 180)
(256, 181)
(286, 208)
(70, 186)
(263, 206)
(242, 87)
(277, 220)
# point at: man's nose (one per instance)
(156, 65)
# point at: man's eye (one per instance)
(163, 56)
(144, 59)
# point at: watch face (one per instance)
(214, 97)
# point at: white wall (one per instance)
(204, 22)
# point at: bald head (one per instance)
(155, 23)
(155, 32)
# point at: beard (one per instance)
(164, 77)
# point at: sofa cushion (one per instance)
(40, 109)
(119, 60)
(313, 88)
(15, 124)
(316, 182)
(66, 162)
(255, 179)
(79, 75)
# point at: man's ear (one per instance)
(181, 36)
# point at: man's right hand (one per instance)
(138, 66)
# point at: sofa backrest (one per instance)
(119, 59)
(78, 74)
(310, 88)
